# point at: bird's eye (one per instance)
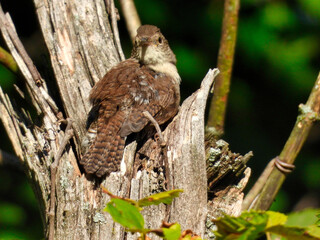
(160, 40)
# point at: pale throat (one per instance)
(167, 68)
(158, 61)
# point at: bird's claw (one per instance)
(159, 139)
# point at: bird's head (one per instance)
(151, 47)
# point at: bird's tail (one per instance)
(105, 153)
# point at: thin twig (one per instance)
(7, 60)
(19, 91)
(39, 93)
(264, 191)
(9, 120)
(131, 17)
(54, 167)
(219, 100)
(105, 190)
(115, 30)
(255, 190)
(20, 48)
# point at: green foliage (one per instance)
(252, 225)
(163, 197)
(312, 7)
(277, 16)
(11, 214)
(15, 222)
(127, 213)
(318, 221)
(6, 78)
(248, 226)
(156, 11)
(303, 218)
(311, 177)
(279, 204)
(173, 232)
(190, 62)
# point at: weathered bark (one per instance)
(81, 46)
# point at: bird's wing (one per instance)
(154, 95)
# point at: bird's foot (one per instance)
(158, 136)
(159, 139)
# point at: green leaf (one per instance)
(275, 218)
(318, 221)
(314, 231)
(303, 218)
(163, 197)
(126, 214)
(296, 233)
(250, 225)
(172, 233)
(300, 225)
(281, 225)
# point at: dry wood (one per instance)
(81, 47)
(113, 13)
(53, 171)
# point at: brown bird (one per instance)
(147, 81)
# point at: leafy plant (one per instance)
(127, 213)
(248, 226)
(253, 224)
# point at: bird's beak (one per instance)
(145, 41)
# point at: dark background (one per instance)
(276, 64)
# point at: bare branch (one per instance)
(264, 191)
(8, 119)
(7, 23)
(219, 100)
(26, 65)
(115, 30)
(131, 17)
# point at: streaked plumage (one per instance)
(148, 81)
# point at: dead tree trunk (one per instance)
(82, 49)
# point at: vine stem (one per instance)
(219, 100)
(266, 188)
